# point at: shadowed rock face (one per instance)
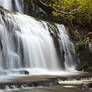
(33, 8)
(85, 56)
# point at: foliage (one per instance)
(84, 65)
(77, 35)
(80, 10)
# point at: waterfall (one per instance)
(26, 43)
(90, 48)
(13, 5)
(67, 46)
(7, 4)
(19, 4)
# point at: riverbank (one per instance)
(78, 80)
(49, 89)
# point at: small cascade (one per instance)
(19, 5)
(67, 46)
(13, 5)
(7, 4)
(90, 48)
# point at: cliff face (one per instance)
(84, 52)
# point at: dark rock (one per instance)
(85, 57)
(83, 86)
(90, 85)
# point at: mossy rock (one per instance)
(84, 56)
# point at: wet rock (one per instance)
(90, 85)
(83, 86)
(85, 57)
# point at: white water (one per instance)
(27, 44)
(19, 4)
(13, 5)
(90, 48)
(7, 4)
(68, 47)
(38, 49)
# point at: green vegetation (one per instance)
(76, 14)
(84, 65)
(75, 11)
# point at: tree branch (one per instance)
(50, 9)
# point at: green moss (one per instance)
(84, 56)
(84, 65)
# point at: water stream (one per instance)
(27, 44)
(13, 5)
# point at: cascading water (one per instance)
(32, 50)
(90, 48)
(19, 5)
(7, 4)
(13, 5)
(26, 43)
(68, 47)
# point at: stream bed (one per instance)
(49, 89)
